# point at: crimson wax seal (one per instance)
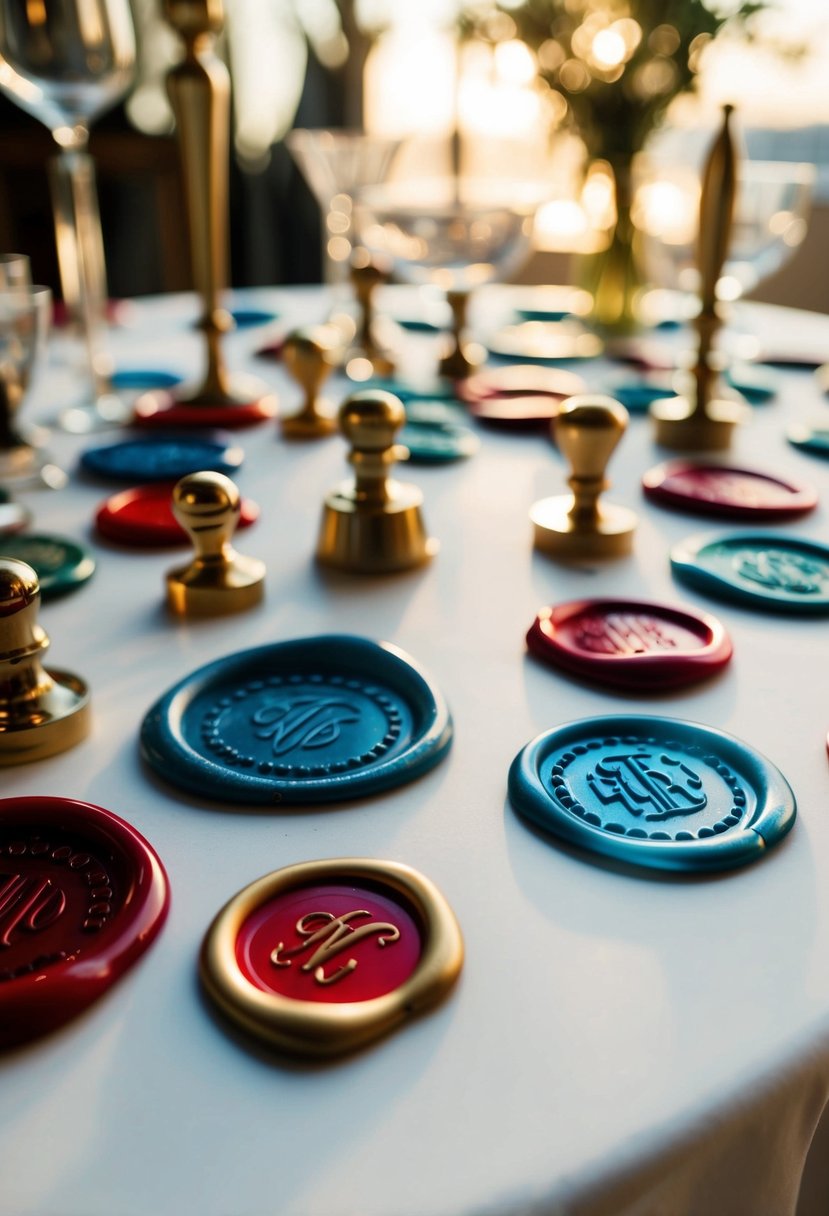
(329, 942)
(630, 644)
(519, 380)
(82, 896)
(726, 491)
(144, 516)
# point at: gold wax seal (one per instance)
(322, 957)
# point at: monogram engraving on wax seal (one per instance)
(634, 780)
(648, 782)
(327, 935)
(728, 488)
(623, 634)
(33, 898)
(300, 718)
(303, 722)
(779, 570)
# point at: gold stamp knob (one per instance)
(587, 430)
(218, 579)
(372, 524)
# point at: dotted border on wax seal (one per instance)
(569, 803)
(235, 758)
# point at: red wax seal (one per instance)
(630, 644)
(161, 408)
(725, 491)
(144, 516)
(329, 943)
(82, 895)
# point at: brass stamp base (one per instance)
(556, 534)
(205, 590)
(63, 719)
(315, 425)
(680, 428)
(374, 539)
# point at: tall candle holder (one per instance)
(699, 421)
(199, 91)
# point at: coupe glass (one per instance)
(336, 164)
(454, 233)
(65, 62)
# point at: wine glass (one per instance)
(336, 164)
(65, 62)
(25, 318)
(452, 232)
(770, 220)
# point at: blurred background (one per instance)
(540, 71)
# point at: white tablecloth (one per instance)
(618, 1043)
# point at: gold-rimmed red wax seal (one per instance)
(321, 957)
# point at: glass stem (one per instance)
(81, 256)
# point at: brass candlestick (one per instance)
(698, 421)
(587, 429)
(199, 91)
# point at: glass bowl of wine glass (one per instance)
(770, 221)
(453, 233)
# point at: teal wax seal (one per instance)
(60, 564)
(437, 443)
(637, 396)
(813, 439)
(762, 570)
(757, 384)
(317, 719)
(655, 792)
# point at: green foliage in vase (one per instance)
(615, 64)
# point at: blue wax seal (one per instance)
(249, 318)
(144, 378)
(437, 442)
(61, 564)
(655, 792)
(814, 439)
(163, 457)
(317, 719)
(437, 390)
(419, 325)
(637, 396)
(760, 570)
(757, 384)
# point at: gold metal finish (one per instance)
(463, 357)
(41, 712)
(310, 355)
(368, 345)
(373, 525)
(586, 429)
(311, 1028)
(199, 92)
(698, 421)
(218, 580)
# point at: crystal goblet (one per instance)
(453, 233)
(65, 62)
